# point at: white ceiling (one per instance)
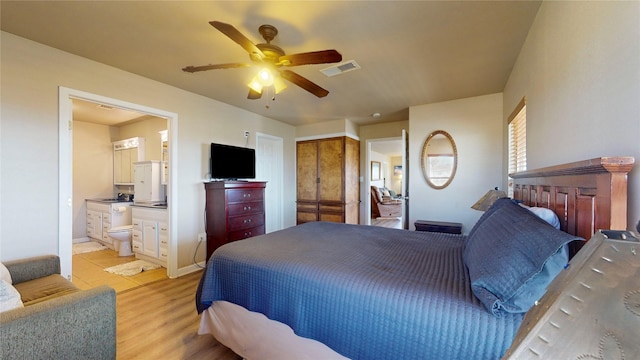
(105, 115)
(410, 52)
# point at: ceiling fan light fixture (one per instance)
(273, 57)
(279, 84)
(255, 85)
(265, 77)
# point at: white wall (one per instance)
(149, 129)
(475, 124)
(579, 70)
(92, 175)
(31, 74)
(384, 161)
(327, 129)
(395, 180)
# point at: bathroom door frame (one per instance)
(65, 173)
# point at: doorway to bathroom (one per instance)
(96, 140)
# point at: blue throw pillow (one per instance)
(512, 256)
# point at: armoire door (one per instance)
(307, 182)
(331, 169)
(307, 170)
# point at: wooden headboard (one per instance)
(586, 195)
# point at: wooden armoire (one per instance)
(328, 180)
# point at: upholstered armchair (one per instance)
(382, 206)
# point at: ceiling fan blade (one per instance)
(235, 35)
(314, 57)
(253, 95)
(304, 83)
(193, 69)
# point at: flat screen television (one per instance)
(232, 162)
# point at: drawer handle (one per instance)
(246, 195)
(247, 221)
(247, 208)
(247, 234)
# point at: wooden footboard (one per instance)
(586, 195)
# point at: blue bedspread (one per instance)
(366, 292)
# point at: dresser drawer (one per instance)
(243, 195)
(246, 208)
(304, 206)
(339, 208)
(245, 222)
(246, 233)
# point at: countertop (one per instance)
(151, 205)
(110, 201)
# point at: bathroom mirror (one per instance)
(164, 151)
(439, 159)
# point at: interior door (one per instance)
(405, 178)
(269, 168)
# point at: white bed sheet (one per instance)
(254, 336)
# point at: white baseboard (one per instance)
(81, 240)
(191, 268)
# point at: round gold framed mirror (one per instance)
(439, 159)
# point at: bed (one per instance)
(327, 290)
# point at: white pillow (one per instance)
(5, 274)
(545, 214)
(9, 297)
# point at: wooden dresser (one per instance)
(328, 180)
(234, 211)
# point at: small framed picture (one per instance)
(375, 170)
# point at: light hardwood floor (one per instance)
(88, 271)
(159, 321)
(395, 223)
(156, 316)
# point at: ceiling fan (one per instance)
(271, 58)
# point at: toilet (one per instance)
(121, 236)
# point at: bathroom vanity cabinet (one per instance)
(103, 215)
(150, 236)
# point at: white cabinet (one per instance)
(102, 216)
(106, 225)
(147, 185)
(123, 165)
(125, 154)
(136, 234)
(163, 239)
(94, 224)
(150, 238)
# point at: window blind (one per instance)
(517, 142)
(518, 138)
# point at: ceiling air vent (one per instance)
(341, 68)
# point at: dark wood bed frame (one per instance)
(586, 195)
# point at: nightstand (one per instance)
(438, 226)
